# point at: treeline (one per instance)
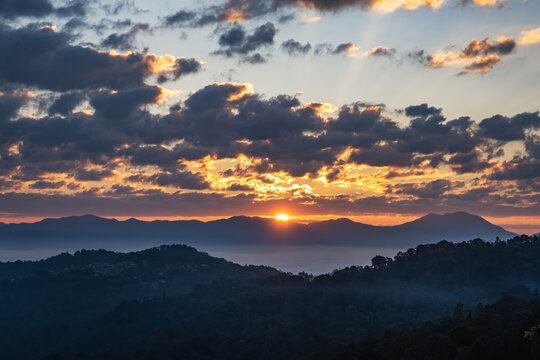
(174, 302)
(507, 329)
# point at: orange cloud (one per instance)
(481, 65)
(312, 20)
(476, 57)
(488, 3)
(529, 37)
(393, 5)
(233, 16)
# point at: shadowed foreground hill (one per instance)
(507, 329)
(144, 305)
(56, 295)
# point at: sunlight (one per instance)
(282, 217)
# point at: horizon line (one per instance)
(294, 219)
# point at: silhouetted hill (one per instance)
(451, 226)
(255, 230)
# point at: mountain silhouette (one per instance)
(458, 226)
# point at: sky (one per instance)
(376, 110)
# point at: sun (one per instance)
(282, 217)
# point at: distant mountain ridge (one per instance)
(458, 226)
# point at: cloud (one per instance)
(43, 184)
(235, 41)
(256, 58)
(529, 37)
(13, 9)
(293, 47)
(43, 58)
(33, 8)
(486, 3)
(121, 105)
(66, 103)
(471, 162)
(179, 18)
(177, 179)
(518, 169)
(381, 51)
(126, 40)
(231, 11)
(476, 57)
(346, 48)
(238, 10)
(504, 128)
(92, 174)
(226, 137)
(427, 190)
(422, 110)
(481, 65)
(157, 204)
(10, 103)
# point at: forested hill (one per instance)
(171, 300)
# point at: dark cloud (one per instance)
(44, 58)
(181, 17)
(293, 47)
(72, 8)
(185, 66)
(44, 184)
(321, 49)
(504, 128)
(421, 110)
(519, 168)
(532, 145)
(33, 8)
(427, 190)
(10, 103)
(122, 104)
(256, 58)
(235, 41)
(381, 156)
(468, 162)
(356, 119)
(329, 49)
(115, 7)
(420, 57)
(341, 48)
(125, 41)
(66, 103)
(12, 9)
(92, 174)
(239, 187)
(178, 179)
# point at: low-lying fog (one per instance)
(316, 259)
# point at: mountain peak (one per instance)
(453, 226)
(78, 219)
(458, 215)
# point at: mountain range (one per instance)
(458, 226)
